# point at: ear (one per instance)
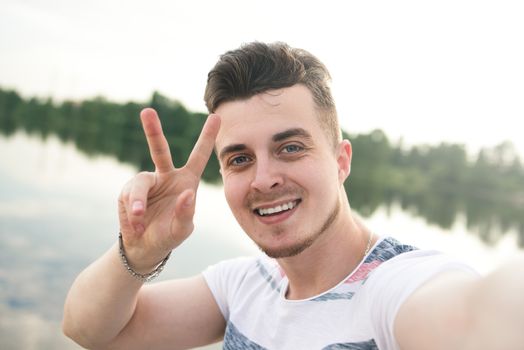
(344, 154)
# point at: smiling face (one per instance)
(282, 176)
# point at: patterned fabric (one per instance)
(234, 340)
(365, 345)
(357, 314)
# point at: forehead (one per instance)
(266, 114)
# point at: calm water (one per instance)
(58, 213)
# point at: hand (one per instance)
(156, 209)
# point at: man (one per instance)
(324, 282)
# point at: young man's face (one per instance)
(282, 177)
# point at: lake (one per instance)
(58, 213)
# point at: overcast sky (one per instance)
(427, 71)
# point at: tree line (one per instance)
(437, 182)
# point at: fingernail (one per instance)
(137, 206)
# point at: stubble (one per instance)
(307, 240)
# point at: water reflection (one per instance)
(438, 184)
(57, 214)
(489, 217)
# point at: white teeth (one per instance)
(277, 209)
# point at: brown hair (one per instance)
(258, 67)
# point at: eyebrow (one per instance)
(232, 149)
(290, 133)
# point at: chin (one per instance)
(286, 252)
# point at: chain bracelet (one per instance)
(148, 277)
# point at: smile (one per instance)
(277, 209)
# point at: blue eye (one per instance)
(239, 160)
(292, 148)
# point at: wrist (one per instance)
(142, 274)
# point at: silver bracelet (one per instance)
(148, 277)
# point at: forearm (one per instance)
(155, 213)
(101, 301)
(456, 310)
(498, 308)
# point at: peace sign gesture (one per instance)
(156, 208)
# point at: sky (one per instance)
(423, 71)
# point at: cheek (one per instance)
(229, 194)
(234, 192)
(235, 196)
(322, 178)
(321, 172)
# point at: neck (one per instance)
(331, 258)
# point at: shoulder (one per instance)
(407, 266)
(235, 264)
(233, 280)
(387, 248)
(229, 272)
(238, 269)
(399, 271)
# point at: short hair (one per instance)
(258, 67)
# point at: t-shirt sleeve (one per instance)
(224, 279)
(395, 280)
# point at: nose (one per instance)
(267, 175)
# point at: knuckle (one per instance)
(144, 178)
(142, 174)
(134, 220)
(124, 196)
(188, 228)
(124, 193)
(130, 218)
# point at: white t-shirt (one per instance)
(358, 313)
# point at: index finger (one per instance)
(204, 146)
(158, 146)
